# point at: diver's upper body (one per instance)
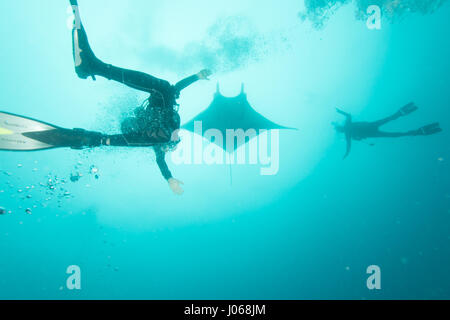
(156, 124)
(356, 130)
(160, 118)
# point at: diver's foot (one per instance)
(84, 58)
(430, 129)
(408, 109)
(80, 138)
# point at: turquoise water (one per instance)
(308, 232)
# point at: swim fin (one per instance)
(409, 108)
(19, 133)
(12, 128)
(430, 129)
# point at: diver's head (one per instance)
(338, 127)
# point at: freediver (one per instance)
(156, 122)
(359, 131)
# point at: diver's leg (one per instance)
(117, 140)
(68, 138)
(381, 122)
(81, 139)
(132, 140)
(427, 130)
(87, 64)
(382, 134)
(134, 79)
(404, 111)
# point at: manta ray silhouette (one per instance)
(225, 113)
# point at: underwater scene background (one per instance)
(308, 232)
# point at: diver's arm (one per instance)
(174, 184)
(349, 144)
(204, 74)
(348, 121)
(348, 135)
(161, 161)
(347, 115)
(186, 82)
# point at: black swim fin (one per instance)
(19, 133)
(430, 129)
(408, 109)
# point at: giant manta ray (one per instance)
(231, 113)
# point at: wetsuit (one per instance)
(153, 125)
(364, 130)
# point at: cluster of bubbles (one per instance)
(230, 43)
(77, 174)
(48, 190)
(51, 187)
(319, 11)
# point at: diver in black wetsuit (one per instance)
(362, 130)
(156, 122)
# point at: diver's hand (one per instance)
(347, 115)
(174, 184)
(204, 74)
(341, 112)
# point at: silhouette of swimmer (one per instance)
(363, 130)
